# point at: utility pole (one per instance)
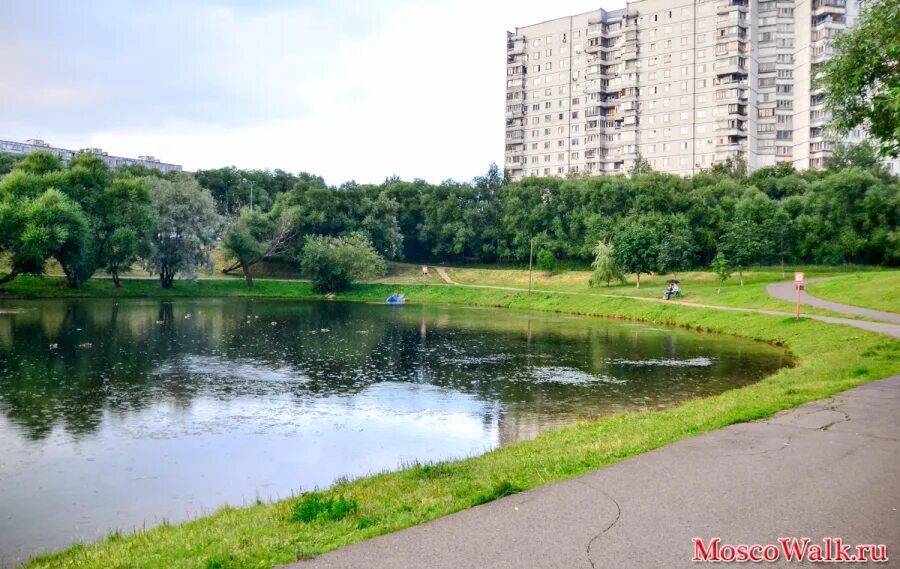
(530, 255)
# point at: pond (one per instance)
(124, 414)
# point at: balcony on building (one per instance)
(515, 135)
(515, 162)
(514, 44)
(733, 6)
(819, 118)
(734, 65)
(515, 84)
(736, 110)
(819, 148)
(829, 6)
(732, 141)
(737, 30)
(514, 123)
(732, 127)
(816, 133)
(596, 71)
(731, 80)
(830, 20)
(516, 59)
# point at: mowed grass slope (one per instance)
(875, 290)
(829, 358)
(698, 287)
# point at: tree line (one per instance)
(89, 218)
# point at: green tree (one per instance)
(124, 226)
(382, 227)
(8, 162)
(243, 242)
(605, 268)
(862, 78)
(334, 263)
(742, 245)
(640, 166)
(637, 249)
(33, 230)
(848, 155)
(186, 227)
(256, 236)
(677, 251)
(721, 268)
(40, 163)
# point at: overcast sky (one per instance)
(348, 90)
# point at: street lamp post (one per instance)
(530, 256)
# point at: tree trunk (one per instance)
(638, 275)
(11, 276)
(166, 276)
(71, 281)
(741, 275)
(231, 268)
(247, 277)
(115, 278)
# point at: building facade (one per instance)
(683, 84)
(34, 145)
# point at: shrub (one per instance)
(546, 261)
(333, 263)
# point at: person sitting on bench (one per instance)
(673, 290)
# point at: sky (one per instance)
(347, 90)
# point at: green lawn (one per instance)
(829, 359)
(876, 290)
(697, 287)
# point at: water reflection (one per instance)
(192, 404)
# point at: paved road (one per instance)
(786, 291)
(830, 468)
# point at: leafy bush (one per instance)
(546, 261)
(333, 263)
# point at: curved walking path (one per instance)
(786, 291)
(445, 276)
(825, 469)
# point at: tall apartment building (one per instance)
(685, 84)
(35, 144)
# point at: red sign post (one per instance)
(798, 284)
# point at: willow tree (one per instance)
(187, 226)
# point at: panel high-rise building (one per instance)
(683, 84)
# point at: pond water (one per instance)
(123, 414)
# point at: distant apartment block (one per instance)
(34, 145)
(684, 84)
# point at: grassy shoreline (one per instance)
(829, 359)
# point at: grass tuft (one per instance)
(501, 490)
(314, 506)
